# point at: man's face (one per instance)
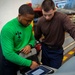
(25, 20)
(48, 15)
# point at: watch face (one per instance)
(39, 71)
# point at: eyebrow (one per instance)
(47, 14)
(28, 20)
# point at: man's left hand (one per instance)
(27, 49)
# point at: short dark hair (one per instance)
(48, 5)
(25, 9)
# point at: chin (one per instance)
(48, 19)
(26, 25)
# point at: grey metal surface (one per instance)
(68, 40)
(69, 43)
(33, 52)
(67, 68)
(70, 73)
(66, 11)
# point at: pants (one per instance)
(50, 57)
(8, 68)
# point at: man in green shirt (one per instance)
(17, 36)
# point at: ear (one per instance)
(19, 16)
(55, 9)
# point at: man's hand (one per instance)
(27, 49)
(34, 65)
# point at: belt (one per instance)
(52, 47)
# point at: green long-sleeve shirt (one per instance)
(14, 37)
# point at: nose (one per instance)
(47, 17)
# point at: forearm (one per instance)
(15, 58)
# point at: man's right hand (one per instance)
(34, 65)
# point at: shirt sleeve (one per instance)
(32, 39)
(69, 26)
(37, 32)
(9, 53)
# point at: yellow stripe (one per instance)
(65, 57)
(71, 52)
